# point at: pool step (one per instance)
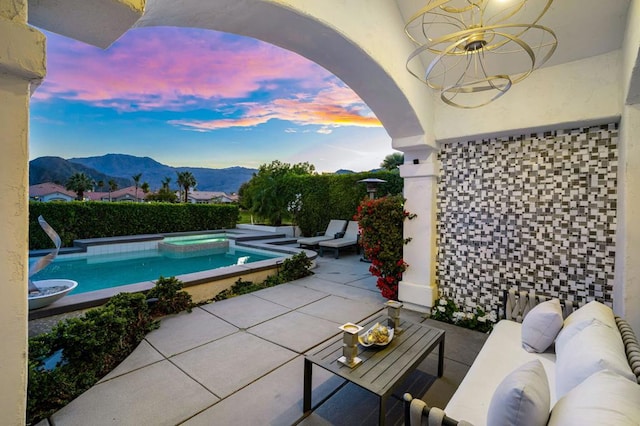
(280, 241)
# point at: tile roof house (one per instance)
(125, 194)
(208, 197)
(50, 192)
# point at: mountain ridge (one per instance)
(121, 167)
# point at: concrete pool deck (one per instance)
(240, 361)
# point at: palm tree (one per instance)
(392, 161)
(100, 185)
(113, 186)
(145, 188)
(79, 183)
(186, 180)
(136, 180)
(165, 182)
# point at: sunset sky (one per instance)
(191, 97)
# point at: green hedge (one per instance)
(79, 220)
(326, 197)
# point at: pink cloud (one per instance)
(332, 107)
(172, 69)
(169, 68)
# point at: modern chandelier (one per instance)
(473, 51)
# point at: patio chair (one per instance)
(349, 240)
(335, 227)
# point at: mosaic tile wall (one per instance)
(535, 212)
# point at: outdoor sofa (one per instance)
(334, 230)
(350, 239)
(580, 370)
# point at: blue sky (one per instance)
(191, 97)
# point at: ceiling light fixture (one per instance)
(473, 51)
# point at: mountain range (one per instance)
(122, 167)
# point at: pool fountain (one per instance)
(44, 292)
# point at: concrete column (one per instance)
(626, 290)
(418, 290)
(22, 62)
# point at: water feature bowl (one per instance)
(51, 290)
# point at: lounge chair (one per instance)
(335, 227)
(349, 240)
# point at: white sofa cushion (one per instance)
(584, 317)
(501, 354)
(605, 398)
(522, 398)
(541, 326)
(590, 311)
(593, 348)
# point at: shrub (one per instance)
(89, 347)
(170, 297)
(296, 267)
(446, 310)
(381, 223)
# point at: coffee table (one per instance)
(381, 369)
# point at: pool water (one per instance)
(112, 270)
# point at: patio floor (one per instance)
(240, 361)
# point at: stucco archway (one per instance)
(366, 58)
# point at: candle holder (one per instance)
(393, 315)
(350, 344)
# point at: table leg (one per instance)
(306, 398)
(441, 357)
(382, 413)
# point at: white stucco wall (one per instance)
(97, 22)
(21, 64)
(14, 110)
(627, 288)
(580, 92)
(626, 295)
(631, 56)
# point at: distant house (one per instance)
(54, 192)
(210, 197)
(50, 192)
(124, 194)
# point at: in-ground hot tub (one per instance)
(194, 243)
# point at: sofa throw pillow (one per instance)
(605, 398)
(594, 348)
(522, 398)
(590, 311)
(541, 326)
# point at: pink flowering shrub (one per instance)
(382, 241)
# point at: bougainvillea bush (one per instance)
(381, 223)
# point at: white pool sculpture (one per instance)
(44, 292)
(49, 292)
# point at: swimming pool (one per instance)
(97, 272)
